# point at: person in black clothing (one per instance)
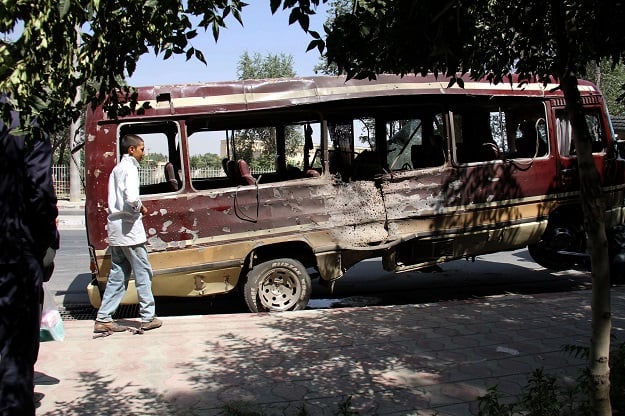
(28, 242)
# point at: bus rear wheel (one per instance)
(561, 247)
(276, 286)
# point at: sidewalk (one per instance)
(71, 215)
(392, 360)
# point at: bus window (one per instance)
(160, 170)
(353, 153)
(341, 154)
(205, 165)
(495, 131)
(403, 135)
(367, 163)
(270, 153)
(566, 146)
(418, 142)
(306, 157)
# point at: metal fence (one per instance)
(60, 175)
(147, 176)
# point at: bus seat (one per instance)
(170, 176)
(245, 175)
(489, 151)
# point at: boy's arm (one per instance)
(133, 199)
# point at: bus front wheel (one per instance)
(277, 285)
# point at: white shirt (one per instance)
(124, 226)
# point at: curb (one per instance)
(71, 215)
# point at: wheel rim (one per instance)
(280, 289)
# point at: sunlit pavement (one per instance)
(71, 215)
(390, 360)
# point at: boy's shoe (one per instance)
(153, 324)
(107, 327)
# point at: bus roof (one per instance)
(260, 94)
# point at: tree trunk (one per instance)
(74, 164)
(594, 225)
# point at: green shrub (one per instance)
(542, 396)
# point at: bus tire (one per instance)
(276, 286)
(557, 238)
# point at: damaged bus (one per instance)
(320, 173)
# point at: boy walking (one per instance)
(127, 238)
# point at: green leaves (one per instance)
(65, 45)
(533, 38)
(64, 7)
(43, 66)
(316, 43)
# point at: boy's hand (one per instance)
(144, 210)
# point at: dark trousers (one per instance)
(20, 294)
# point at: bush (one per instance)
(542, 396)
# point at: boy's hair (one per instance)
(127, 141)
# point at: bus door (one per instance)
(504, 172)
(417, 163)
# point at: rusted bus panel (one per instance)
(432, 191)
(100, 159)
(614, 197)
(204, 231)
(456, 221)
(444, 201)
(204, 283)
(188, 219)
(264, 94)
(357, 214)
(214, 267)
(500, 181)
(185, 219)
(354, 213)
(415, 193)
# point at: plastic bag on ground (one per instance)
(51, 323)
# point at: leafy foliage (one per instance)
(610, 78)
(532, 38)
(268, 66)
(490, 404)
(335, 8)
(207, 160)
(51, 49)
(263, 140)
(545, 395)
